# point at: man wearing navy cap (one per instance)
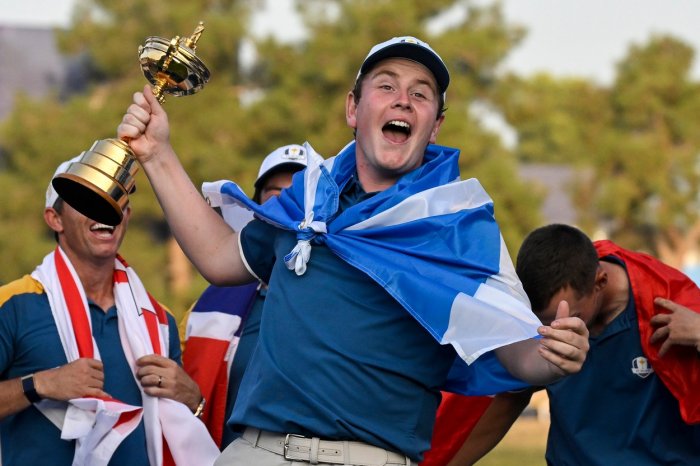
(389, 279)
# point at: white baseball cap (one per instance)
(292, 156)
(51, 194)
(410, 48)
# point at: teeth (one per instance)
(403, 124)
(101, 226)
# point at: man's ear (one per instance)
(53, 219)
(436, 129)
(351, 110)
(601, 279)
(127, 214)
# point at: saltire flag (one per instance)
(430, 240)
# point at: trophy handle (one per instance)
(191, 42)
(161, 80)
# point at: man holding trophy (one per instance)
(387, 278)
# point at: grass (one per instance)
(524, 445)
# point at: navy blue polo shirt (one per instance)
(614, 411)
(29, 342)
(338, 357)
(244, 351)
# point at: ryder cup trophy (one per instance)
(99, 183)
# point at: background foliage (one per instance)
(633, 140)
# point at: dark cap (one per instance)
(412, 49)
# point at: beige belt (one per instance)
(314, 450)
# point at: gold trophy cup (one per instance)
(99, 183)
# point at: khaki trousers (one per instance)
(244, 453)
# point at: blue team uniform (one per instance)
(616, 411)
(338, 356)
(29, 342)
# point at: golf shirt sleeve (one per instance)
(257, 242)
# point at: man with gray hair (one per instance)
(90, 361)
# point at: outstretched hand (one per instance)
(564, 343)
(680, 326)
(145, 126)
(162, 377)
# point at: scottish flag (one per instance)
(430, 240)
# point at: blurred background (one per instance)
(580, 112)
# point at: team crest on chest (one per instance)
(641, 367)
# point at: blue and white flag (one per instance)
(430, 240)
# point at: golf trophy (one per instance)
(99, 183)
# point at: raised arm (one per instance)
(561, 351)
(206, 239)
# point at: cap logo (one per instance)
(411, 40)
(294, 153)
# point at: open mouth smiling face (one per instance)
(102, 231)
(397, 131)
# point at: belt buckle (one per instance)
(286, 444)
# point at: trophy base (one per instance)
(98, 185)
(88, 199)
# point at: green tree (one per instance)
(635, 141)
(557, 120)
(40, 134)
(292, 92)
(651, 165)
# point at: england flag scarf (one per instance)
(100, 425)
(430, 241)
